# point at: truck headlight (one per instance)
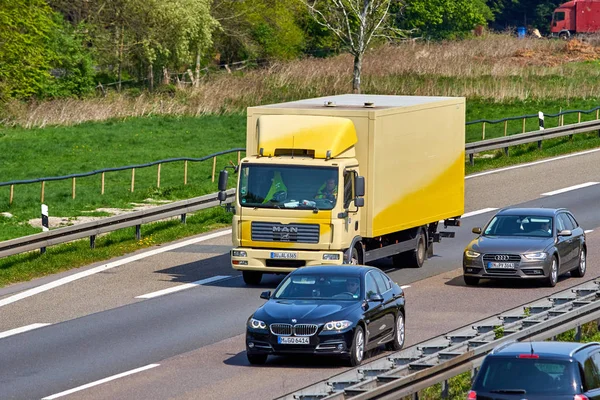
(337, 325)
(472, 254)
(331, 256)
(238, 253)
(256, 324)
(536, 256)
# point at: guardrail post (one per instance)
(541, 120)
(102, 190)
(445, 389)
(415, 396)
(93, 242)
(42, 194)
(506, 151)
(73, 184)
(483, 131)
(214, 168)
(44, 223)
(183, 218)
(578, 333)
(12, 192)
(138, 232)
(471, 159)
(132, 179)
(185, 172)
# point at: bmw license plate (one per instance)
(292, 340)
(284, 255)
(501, 265)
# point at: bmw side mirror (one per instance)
(565, 232)
(375, 297)
(477, 231)
(266, 295)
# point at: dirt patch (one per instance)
(574, 50)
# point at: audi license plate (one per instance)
(501, 265)
(283, 254)
(292, 340)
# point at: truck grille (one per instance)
(297, 330)
(276, 232)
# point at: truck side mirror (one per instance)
(359, 186)
(223, 176)
(359, 202)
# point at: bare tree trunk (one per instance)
(120, 60)
(197, 69)
(151, 78)
(358, 58)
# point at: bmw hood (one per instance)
(519, 245)
(304, 311)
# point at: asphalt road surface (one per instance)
(189, 343)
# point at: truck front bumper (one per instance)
(281, 261)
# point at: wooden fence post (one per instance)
(132, 179)
(505, 127)
(238, 163)
(73, 183)
(185, 172)
(12, 192)
(42, 195)
(483, 131)
(102, 191)
(214, 168)
(158, 177)
(523, 125)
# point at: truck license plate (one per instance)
(292, 340)
(283, 254)
(501, 265)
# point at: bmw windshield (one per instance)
(288, 186)
(319, 287)
(520, 225)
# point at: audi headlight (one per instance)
(238, 253)
(536, 256)
(472, 254)
(337, 325)
(256, 324)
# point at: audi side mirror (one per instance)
(564, 232)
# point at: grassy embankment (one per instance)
(500, 77)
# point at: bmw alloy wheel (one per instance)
(400, 329)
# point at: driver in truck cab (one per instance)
(278, 191)
(328, 190)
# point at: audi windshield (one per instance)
(288, 186)
(519, 225)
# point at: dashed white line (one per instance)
(482, 211)
(568, 189)
(182, 287)
(101, 381)
(71, 278)
(589, 231)
(21, 330)
(494, 171)
(404, 287)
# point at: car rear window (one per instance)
(534, 376)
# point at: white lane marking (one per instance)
(21, 330)
(483, 211)
(404, 287)
(494, 171)
(101, 381)
(182, 287)
(91, 271)
(589, 231)
(568, 189)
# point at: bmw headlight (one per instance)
(337, 325)
(472, 254)
(256, 324)
(536, 256)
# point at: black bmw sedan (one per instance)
(330, 310)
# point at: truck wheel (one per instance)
(417, 257)
(355, 258)
(563, 36)
(252, 277)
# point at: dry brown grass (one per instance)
(497, 67)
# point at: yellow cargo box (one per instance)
(410, 149)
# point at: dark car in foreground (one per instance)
(526, 243)
(342, 311)
(539, 371)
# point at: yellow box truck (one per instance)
(347, 179)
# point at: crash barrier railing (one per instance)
(529, 137)
(94, 228)
(102, 172)
(540, 116)
(408, 371)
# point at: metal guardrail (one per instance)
(435, 361)
(529, 137)
(94, 228)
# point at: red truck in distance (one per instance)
(575, 17)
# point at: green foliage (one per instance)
(444, 19)
(531, 13)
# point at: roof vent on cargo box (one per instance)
(369, 104)
(330, 104)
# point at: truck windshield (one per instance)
(288, 186)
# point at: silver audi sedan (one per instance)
(526, 243)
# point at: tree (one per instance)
(355, 23)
